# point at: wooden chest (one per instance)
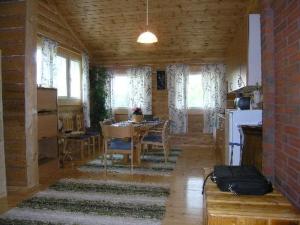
(47, 123)
(223, 208)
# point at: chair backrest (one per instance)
(110, 131)
(121, 117)
(148, 117)
(80, 122)
(68, 123)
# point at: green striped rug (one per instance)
(92, 202)
(152, 164)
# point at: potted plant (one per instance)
(137, 115)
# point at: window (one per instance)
(121, 91)
(75, 71)
(67, 75)
(68, 70)
(195, 91)
(61, 69)
(39, 65)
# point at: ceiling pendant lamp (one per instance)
(147, 37)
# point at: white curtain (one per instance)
(177, 76)
(109, 101)
(140, 89)
(214, 94)
(48, 76)
(85, 89)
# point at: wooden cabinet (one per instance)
(47, 123)
(252, 146)
(244, 55)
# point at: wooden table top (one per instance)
(134, 124)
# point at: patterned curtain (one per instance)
(48, 71)
(140, 89)
(177, 76)
(85, 90)
(109, 101)
(214, 94)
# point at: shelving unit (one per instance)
(47, 124)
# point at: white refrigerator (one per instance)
(233, 137)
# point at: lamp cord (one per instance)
(147, 13)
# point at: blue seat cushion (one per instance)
(120, 144)
(153, 138)
(92, 133)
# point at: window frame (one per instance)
(69, 55)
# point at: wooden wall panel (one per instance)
(13, 67)
(52, 24)
(31, 95)
(159, 97)
(195, 123)
(2, 154)
(237, 58)
(17, 24)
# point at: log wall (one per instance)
(16, 25)
(2, 155)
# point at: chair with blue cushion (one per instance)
(160, 139)
(118, 140)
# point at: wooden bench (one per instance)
(224, 208)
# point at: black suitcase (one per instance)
(241, 180)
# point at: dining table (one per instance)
(140, 128)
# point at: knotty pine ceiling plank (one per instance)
(195, 28)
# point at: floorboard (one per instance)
(185, 204)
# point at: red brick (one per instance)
(292, 152)
(295, 164)
(281, 65)
(292, 130)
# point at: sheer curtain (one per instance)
(109, 101)
(177, 76)
(140, 94)
(85, 90)
(48, 76)
(214, 94)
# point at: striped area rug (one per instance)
(152, 164)
(92, 202)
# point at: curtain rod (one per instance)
(158, 65)
(61, 45)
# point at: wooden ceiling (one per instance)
(187, 30)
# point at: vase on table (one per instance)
(137, 118)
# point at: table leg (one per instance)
(81, 149)
(137, 155)
(94, 144)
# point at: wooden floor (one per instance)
(185, 203)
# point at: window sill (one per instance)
(195, 111)
(69, 101)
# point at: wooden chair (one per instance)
(101, 123)
(94, 135)
(71, 136)
(118, 140)
(158, 138)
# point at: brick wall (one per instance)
(281, 84)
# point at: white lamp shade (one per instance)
(147, 38)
